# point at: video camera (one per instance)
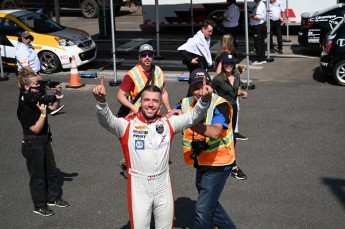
(47, 84)
(198, 146)
(41, 96)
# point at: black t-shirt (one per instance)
(28, 114)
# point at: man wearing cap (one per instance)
(27, 60)
(136, 79)
(25, 55)
(209, 147)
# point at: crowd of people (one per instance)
(208, 134)
(208, 118)
(209, 137)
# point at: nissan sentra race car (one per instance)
(54, 44)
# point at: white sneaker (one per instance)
(264, 62)
(256, 63)
(57, 110)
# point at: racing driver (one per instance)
(145, 139)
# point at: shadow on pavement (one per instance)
(184, 214)
(337, 186)
(323, 78)
(306, 51)
(62, 177)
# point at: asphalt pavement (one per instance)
(293, 157)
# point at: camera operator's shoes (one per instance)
(44, 211)
(238, 136)
(238, 174)
(57, 110)
(59, 203)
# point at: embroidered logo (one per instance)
(139, 144)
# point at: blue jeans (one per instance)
(209, 212)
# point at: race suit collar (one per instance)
(143, 119)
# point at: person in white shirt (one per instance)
(276, 10)
(28, 61)
(196, 51)
(230, 20)
(25, 55)
(258, 23)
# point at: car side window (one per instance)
(9, 27)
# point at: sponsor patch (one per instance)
(163, 143)
(140, 127)
(139, 144)
(159, 127)
(140, 132)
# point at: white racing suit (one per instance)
(146, 149)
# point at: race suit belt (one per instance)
(144, 175)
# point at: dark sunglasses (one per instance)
(29, 37)
(143, 55)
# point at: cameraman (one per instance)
(209, 147)
(28, 60)
(36, 147)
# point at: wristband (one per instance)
(43, 115)
(169, 110)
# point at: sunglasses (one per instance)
(29, 37)
(143, 55)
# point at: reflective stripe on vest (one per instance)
(220, 151)
(139, 78)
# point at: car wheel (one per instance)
(339, 72)
(8, 4)
(89, 8)
(50, 63)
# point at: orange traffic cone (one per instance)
(74, 79)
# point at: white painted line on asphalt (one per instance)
(255, 67)
(293, 56)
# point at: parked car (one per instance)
(54, 44)
(315, 26)
(89, 8)
(332, 59)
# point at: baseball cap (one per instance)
(228, 58)
(27, 34)
(145, 47)
(197, 76)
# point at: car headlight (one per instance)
(64, 42)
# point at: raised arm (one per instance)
(105, 117)
(181, 122)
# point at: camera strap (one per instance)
(50, 137)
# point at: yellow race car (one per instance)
(54, 44)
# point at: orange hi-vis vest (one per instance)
(139, 78)
(221, 151)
